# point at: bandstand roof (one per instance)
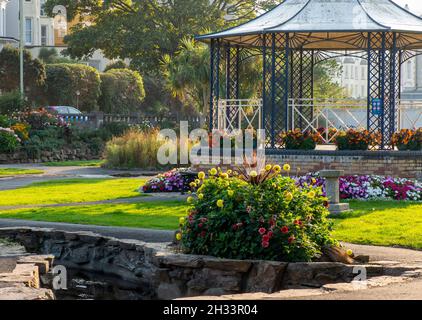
(329, 25)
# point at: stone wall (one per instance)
(66, 154)
(164, 274)
(386, 163)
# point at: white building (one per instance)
(354, 77)
(3, 18)
(40, 30)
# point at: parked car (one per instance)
(64, 110)
(68, 114)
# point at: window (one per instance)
(352, 74)
(363, 73)
(28, 31)
(346, 73)
(357, 73)
(44, 37)
(42, 8)
(3, 22)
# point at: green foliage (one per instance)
(64, 80)
(270, 220)
(357, 139)
(324, 87)
(5, 121)
(34, 73)
(11, 102)
(122, 91)
(112, 129)
(50, 56)
(144, 31)
(9, 142)
(119, 64)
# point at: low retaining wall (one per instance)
(385, 163)
(164, 274)
(50, 156)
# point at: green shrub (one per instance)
(9, 141)
(122, 91)
(34, 73)
(11, 102)
(40, 119)
(112, 129)
(5, 121)
(257, 216)
(135, 149)
(64, 80)
(119, 64)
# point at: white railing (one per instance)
(234, 114)
(345, 114)
(327, 114)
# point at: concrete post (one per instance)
(332, 187)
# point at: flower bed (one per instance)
(256, 216)
(298, 140)
(408, 140)
(176, 180)
(371, 187)
(356, 139)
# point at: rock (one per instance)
(205, 278)
(362, 259)
(337, 254)
(180, 260)
(226, 264)
(265, 276)
(79, 255)
(216, 292)
(167, 291)
(25, 293)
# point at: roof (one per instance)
(324, 22)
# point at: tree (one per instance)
(144, 31)
(122, 91)
(50, 56)
(324, 86)
(34, 73)
(65, 80)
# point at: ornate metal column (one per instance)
(383, 85)
(276, 54)
(302, 84)
(215, 54)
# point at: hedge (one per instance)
(64, 80)
(122, 91)
(11, 102)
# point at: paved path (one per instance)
(53, 173)
(147, 235)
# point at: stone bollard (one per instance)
(332, 187)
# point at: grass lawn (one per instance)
(18, 172)
(71, 191)
(163, 215)
(387, 223)
(83, 163)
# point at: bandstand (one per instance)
(290, 41)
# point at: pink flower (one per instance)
(262, 231)
(265, 244)
(292, 239)
(265, 238)
(200, 225)
(270, 234)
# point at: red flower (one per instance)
(235, 227)
(262, 231)
(292, 239)
(200, 225)
(266, 238)
(284, 230)
(265, 244)
(203, 234)
(270, 234)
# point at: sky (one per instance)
(414, 5)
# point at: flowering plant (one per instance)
(353, 139)
(21, 130)
(9, 141)
(176, 180)
(256, 218)
(368, 187)
(408, 139)
(40, 119)
(298, 140)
